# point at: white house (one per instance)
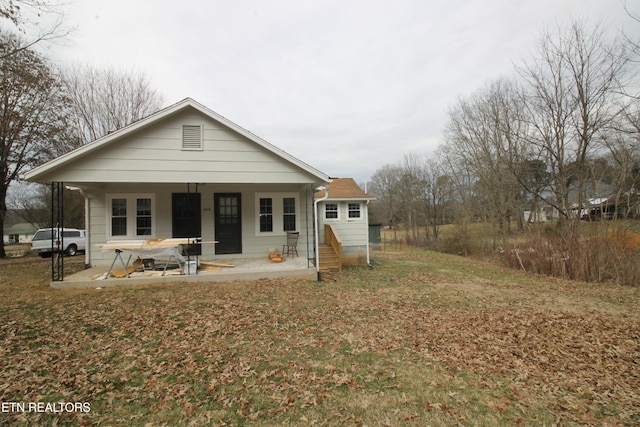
(344, 214)
(21, 232)
(186, 171)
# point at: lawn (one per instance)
(420, 339)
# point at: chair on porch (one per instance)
(291, 247)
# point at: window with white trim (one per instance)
(289, 214)
(131, 215)
(118, 217)
(143, 216)
(266, 214)
(354, 211)
(192, 137)
(277, 213)
(331, 211)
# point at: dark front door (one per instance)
(186, 215)
(228, 223)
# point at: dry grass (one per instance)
(598, 251)
(421, 339)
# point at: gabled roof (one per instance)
(20, 228)
(58, 162)
(344, 189)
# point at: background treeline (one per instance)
(47, 110)
(562, 132)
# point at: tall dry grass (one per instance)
(603, 251)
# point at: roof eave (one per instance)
(34, 173)
(43, 169)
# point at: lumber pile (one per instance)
(216, 264)
(275, 257)
(122, 273)
(211, 267)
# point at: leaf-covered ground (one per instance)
(420, 339)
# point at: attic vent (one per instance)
(191, 137)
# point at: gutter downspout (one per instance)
(367, 220)
(315, 228)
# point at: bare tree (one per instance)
(385, 186)
(103, 101)
(416, 194)
(574, 87)
(25, 17)
(634, 43)
(413, 192)
(97, 102)
(32, 119)
(439, 194)
(483, 135)
(463, 203)
(623, 145)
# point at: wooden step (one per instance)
(329, 267)
(328, 258)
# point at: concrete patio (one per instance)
(243, 269)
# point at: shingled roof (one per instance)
(345, 188)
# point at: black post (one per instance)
(57, 236)
(53, 210)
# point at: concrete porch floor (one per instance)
(244, 269)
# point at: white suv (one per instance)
(74, 240)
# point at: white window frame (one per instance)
(278, 212)
(296, 214)
(355, 218)
(260, 214)
(337, 211)
(131, 199)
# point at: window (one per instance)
(228, 210)
(143, 217)
(354, 210)
(278, 213)
(192, 137)
(43, 235)
(331, 211)
(289, 214)
(266, 214)
(119, 217)
(131, 215)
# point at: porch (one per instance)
(243, 269)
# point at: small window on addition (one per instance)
(331, 211)
(192, 137)
(354, 210)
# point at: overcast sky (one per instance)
(346, 86)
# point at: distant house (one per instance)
(541, 214)
(186, 171)
(599, 208)
(21, 232)
(344, 213)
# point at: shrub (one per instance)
(613, 257)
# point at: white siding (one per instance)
(155, 154)
(352, 232)
(253, 245)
